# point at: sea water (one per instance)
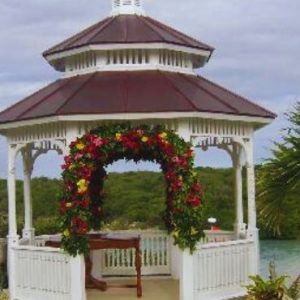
(285, 255)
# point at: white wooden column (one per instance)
(250, 185)
(186, 283)
(71, 135)
(252, 231)
(11, 190)
(77, 279)
(12, 238)
(186, 286)
(28, 231)
(240, 226)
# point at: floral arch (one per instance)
(84, 175)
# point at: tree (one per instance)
(279, 177)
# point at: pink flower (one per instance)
(78, 156)
(98, 141)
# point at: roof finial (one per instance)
(127, 7)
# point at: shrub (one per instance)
(3, 279)
(46, 225)
(270, 289)
(273, 288)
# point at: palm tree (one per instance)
(280, 176)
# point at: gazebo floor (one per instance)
(153, 289)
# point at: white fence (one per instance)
(218, 269)
(46, 273)
(221, 269)
(155, 252)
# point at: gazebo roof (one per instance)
(127, 29)
(131, 92)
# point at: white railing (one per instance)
(217, 236)
(155, 250)
(156, 253)
(221, 269)
(46, 273)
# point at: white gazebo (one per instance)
(132, 68)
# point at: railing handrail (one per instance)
(39, 249)
(224, 244)
(219, 232)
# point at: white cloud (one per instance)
(257, 46)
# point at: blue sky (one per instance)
(257, 54)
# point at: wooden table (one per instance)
(110, 241)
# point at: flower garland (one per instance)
(84, 175)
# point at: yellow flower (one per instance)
(194, 231)
(67, 233)
(80, 146)
(145, 139)
(118, 136)
(82, 185)
(194, 173)
(180, 178)
(163, 135)
(175, 234)
(68, 205)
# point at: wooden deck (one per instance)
(153, 289)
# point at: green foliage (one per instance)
(279, 178)
(270, 289)
(3, 278)
(294, 289)
(274, 288)
(126, 191)
(47, 225)
(134, 198)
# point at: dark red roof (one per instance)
(131, 92)
(127, 29)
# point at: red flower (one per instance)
(196, 187)
(68, 186)
(85, 203)
(193, 200)
(84, 172)
(79, 225)
(176, 185)
(151, 141)
(167, 149)
(129, 143)
(170, 174)
(62, 207)
(91, 149)
(67, 163)
(189, 152)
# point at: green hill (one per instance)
(135, 199)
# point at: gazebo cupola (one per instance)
(129, 41)
(127, 7)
